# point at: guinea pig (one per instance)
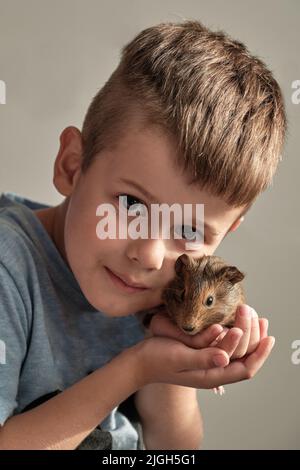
(204, 291)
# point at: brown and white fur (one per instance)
(186, 296)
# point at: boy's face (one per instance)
(144, 157)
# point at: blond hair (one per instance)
(221, 104)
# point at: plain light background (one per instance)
(54, 57)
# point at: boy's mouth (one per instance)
(123, 283)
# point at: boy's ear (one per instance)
(235, 224)
(67, 167)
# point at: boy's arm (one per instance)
(64, 421)
(170, 416)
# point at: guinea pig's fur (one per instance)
(197, 280)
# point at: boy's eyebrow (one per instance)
(139, 188)
(151, 198)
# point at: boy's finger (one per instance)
(206, 337)
(249, 366)
(235, 371)
(161, 325)
(263, 327)
(243, 321)
(254, 333)
(255, 360)
(231, 340)
(219, 337)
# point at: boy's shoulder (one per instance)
(17, 246)
(27, 258)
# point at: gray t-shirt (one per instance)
(50, 335)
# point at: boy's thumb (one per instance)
(207, 358)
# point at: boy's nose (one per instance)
(149, 253)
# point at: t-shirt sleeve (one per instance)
(13, 342)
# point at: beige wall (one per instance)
(55, 55)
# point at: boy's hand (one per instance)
(254, 329)
(188, 360)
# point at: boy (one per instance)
(189, 116)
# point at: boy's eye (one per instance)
(188, 233)
(130, 202)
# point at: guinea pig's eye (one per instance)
(209, 301)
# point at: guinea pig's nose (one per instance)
(188, 328)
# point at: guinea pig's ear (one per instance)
(181, 262)
(231, 274)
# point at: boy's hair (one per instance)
(220, 103)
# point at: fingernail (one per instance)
(273, 341)
(219, 360)
(217, 329)
(245, 312)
